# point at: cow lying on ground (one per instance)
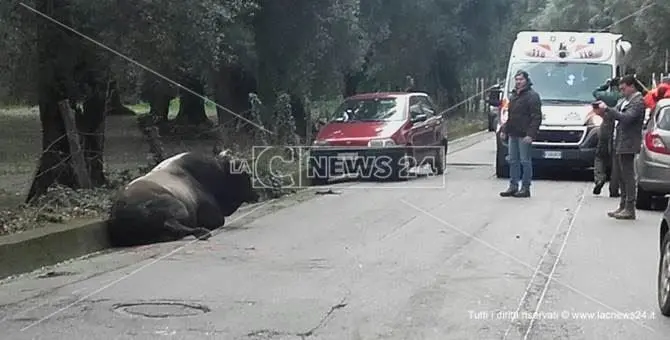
(187, 194)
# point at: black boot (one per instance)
(511, 190)
(524, 192)
(614, 213)
(598, 188)
(628, 212)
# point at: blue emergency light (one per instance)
(592, 40)
(534, 39)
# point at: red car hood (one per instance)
(334, 132)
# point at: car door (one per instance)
(436, 121)
(421, 130)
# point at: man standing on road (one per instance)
(629, 117)
(605, 159)
(523, 122)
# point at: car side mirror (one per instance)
(419, 118)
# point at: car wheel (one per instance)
(318, 181)
(664, 276)
(439, 164)
(318, 175)
(400, 172)
(643, 201)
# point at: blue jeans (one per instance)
(520, 162)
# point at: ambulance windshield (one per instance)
(561, 82)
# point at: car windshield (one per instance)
(564, 82)
(376, 109)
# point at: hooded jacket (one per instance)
(652, 97)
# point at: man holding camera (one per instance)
(629, 118)
(605, 159)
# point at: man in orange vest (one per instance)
(660, 92)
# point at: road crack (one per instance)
(325, 319)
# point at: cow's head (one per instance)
(238, 182)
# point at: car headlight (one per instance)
(320, 143)
(380, 143)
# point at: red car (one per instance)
(380, 135)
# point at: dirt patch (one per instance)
(126, 157)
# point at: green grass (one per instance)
(143, 108)
(461, 127)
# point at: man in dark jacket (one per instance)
(523, 122)
(604, 160)
(629, 117)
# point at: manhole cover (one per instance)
(161, 309)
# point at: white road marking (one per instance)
(558, 258)
(532, 278)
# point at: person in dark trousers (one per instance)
(629, 117)
(604, 160)
(520, 129)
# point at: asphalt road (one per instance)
(432, 258)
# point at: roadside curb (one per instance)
(52, 244)
(470, 136)
(48, 245)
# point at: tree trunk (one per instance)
(91, 125)
(158, 93)
(159, 106)
(223, 95)
(54, 75)
(299, 115)
(53, 163)
(351, 81)
(192, 107)
(233, 87)
(115, 107)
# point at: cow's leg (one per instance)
(209, 215)
(180, 231)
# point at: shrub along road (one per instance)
(372, 261)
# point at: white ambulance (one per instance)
(565, 68)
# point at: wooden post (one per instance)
(157, 154)
(76, 154)
(473, 94)
(309, 121)
(653, 80)
(482, 96)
